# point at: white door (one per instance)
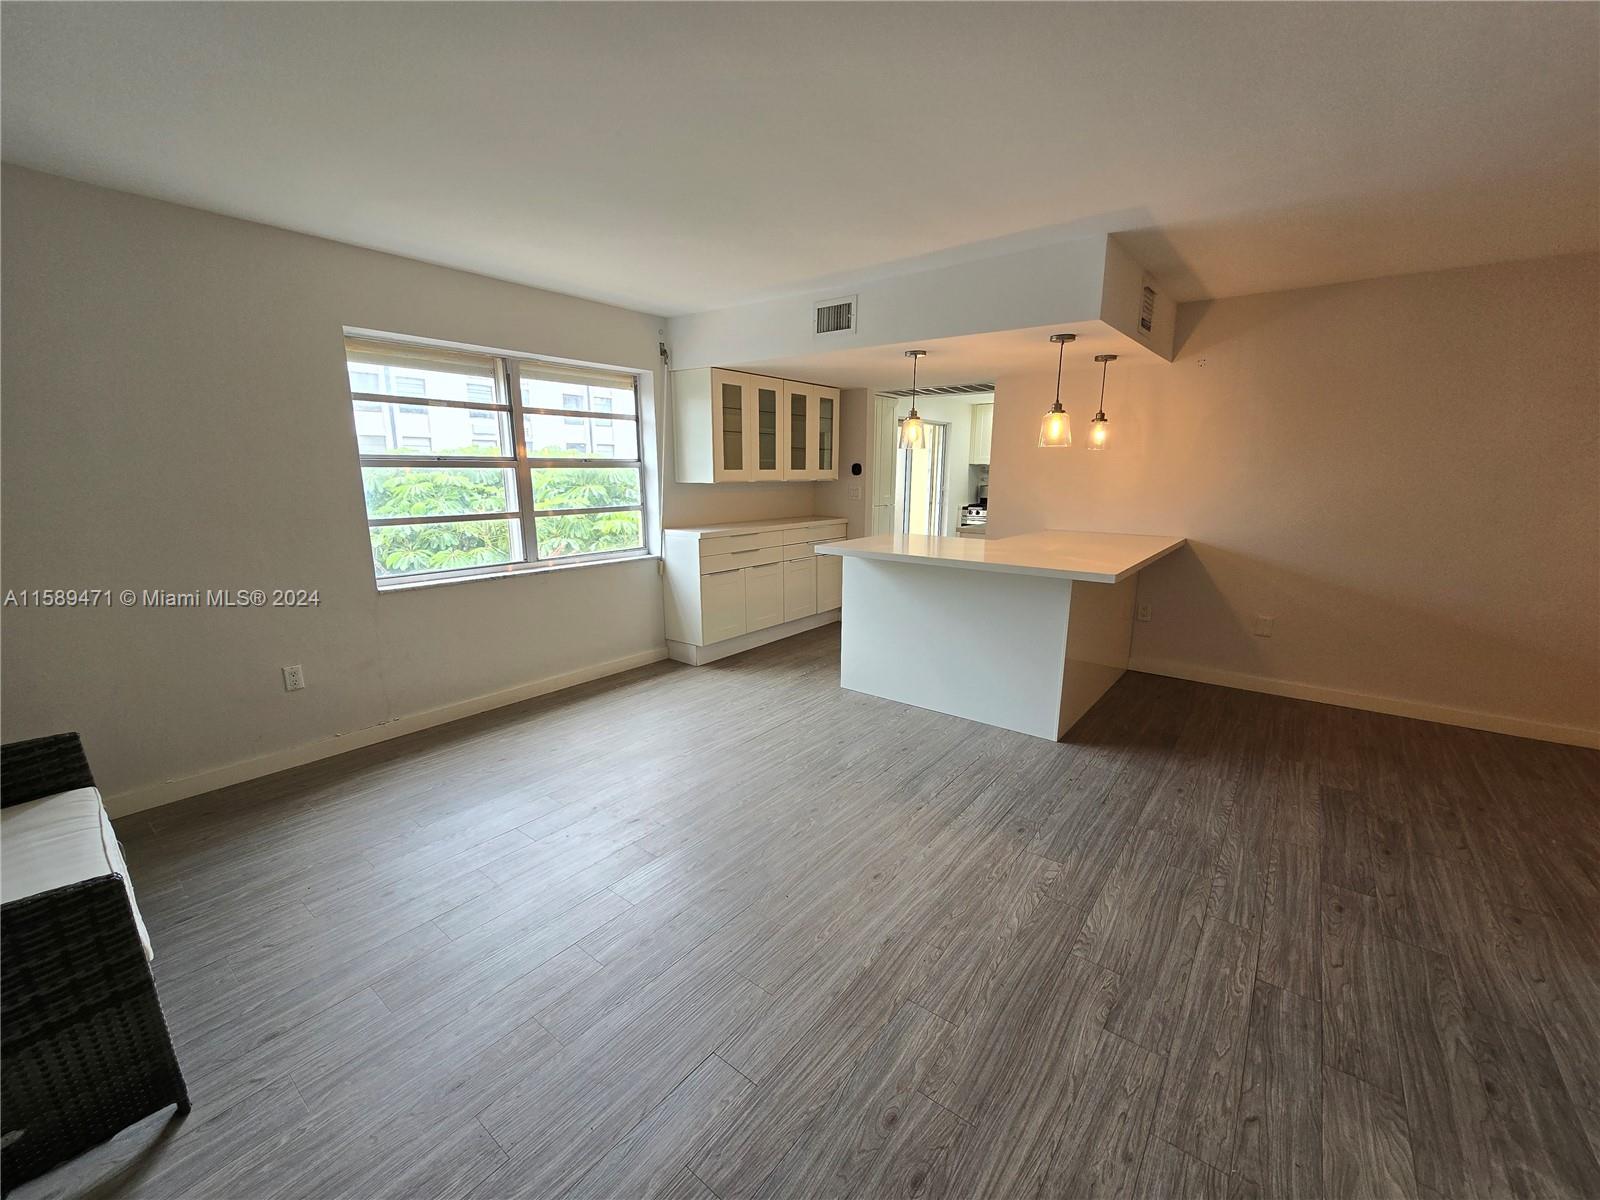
(919, 493)
(882, 481)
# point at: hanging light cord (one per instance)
(1101, 415)
(915, 358)
(1061, 355)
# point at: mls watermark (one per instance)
(162, 598)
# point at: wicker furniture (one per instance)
(85, 1048)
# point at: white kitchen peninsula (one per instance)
(1024, 632)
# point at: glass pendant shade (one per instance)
(911, 433)
(1097, 431)
(1056, 429)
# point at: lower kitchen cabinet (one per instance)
(830, 581)
(763, 596)
(722, 604)
(733, 587)
(799, 587)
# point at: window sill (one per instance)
(517, 572)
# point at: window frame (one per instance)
(506, 400)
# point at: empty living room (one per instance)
(834, 601)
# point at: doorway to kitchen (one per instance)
(958, 504)
(919, 489)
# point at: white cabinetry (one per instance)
(830, 581)
(722, 603)
(982, 434)
(799, 588)
(763, 596)
(732, 587)
(734, 427)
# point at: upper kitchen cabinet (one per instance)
(982, 434)
(714, 430)
(813, 420)
(734, 427)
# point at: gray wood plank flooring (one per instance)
(726, 932)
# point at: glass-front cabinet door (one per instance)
(762, 429)
(802, 421)
(812, 417)
(827, 419)
(731, 399)
(765, 413)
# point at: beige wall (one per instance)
(1403, 472)
(176, 416)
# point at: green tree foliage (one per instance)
(451, 491)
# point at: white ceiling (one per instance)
(679, 157)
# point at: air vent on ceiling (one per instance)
(835, 316)
(1147, 310)
(949, 389)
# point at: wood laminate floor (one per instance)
(733, 932)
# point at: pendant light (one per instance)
(1098, 423)
(1055, 431)
(911, 432)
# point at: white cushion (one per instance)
(58, 840)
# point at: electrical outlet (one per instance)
(294, 678)
(1144, 612)
(1262, 626)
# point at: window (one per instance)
(492, 463)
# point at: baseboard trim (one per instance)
(121, 804)
(1394, 706)
(698, 656)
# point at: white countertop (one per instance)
(754, 526)
(1092, 557)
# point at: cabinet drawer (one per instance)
(831, 531)
(799, 588)
(722, 613)
(763, 596)
(753, 557)
(733, 543)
